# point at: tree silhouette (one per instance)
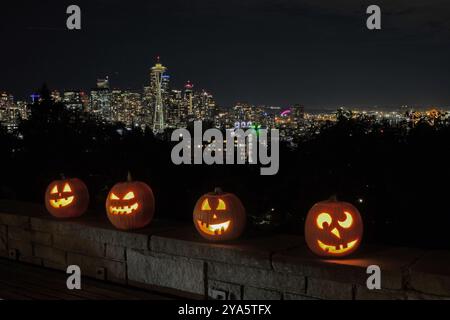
(394, 173)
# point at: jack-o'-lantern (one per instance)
(67, 198)
(130, 205)
(219, 216)
(333, 228)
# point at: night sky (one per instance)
(317, 53)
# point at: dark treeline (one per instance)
(396, 175)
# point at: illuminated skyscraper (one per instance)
(56, 96)
(189, 97)
(157, 78)
(174, 110)
(100, 101)
(127, 108)
(73, 100)
(11, 112)
(298, 111)
(206, 107)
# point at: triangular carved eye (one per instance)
(205, 205)
(221, 205)
(54, 189)
(67, 188)
(129, 196)
(114, 197)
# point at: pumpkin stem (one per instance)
(129, 177)
(333, 197)
(218, 190)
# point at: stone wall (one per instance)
(174, 257)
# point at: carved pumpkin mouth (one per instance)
(124, 210)
(335, 249)
(62, 202)
(213, 229)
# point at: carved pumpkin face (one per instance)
(130, 205)
(333, 228)
(219, 216)
(68, 198)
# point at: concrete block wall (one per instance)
(176, 258)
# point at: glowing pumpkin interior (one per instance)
(324, 220)
(333, 228)
(61, 198)
(123, 206)
(214, 228)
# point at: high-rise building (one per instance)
(207, 106)
(100, 100)
(189, 97)
(298, 112)
(103, 83)
(11, 112)
(127, 108)
(23, 109)
(148, 105)
(56, 96)
(116, 105)
(74, 100)
(165, 88)
(174, 110)
(156, 84)
(6, 100)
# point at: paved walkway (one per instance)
(20, 281)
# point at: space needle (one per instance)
(157, 73)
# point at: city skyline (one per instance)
(32, 94)
(262, 52)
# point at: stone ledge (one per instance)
(252, 252)
(14, 220)
(99, 268)
(99, 230)
(167, 255)
(233, 290)
(431, 273)
(253, 293)
(258, 278)
(91, 226)
(166, 271)
(22, 248)
(51, 254)
(362, 293)
(329, 289)
(16, 233)
(3, 239)
(394, 263)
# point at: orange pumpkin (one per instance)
(67, 198)
(333, 228)
(130, 205)
(219, 216)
